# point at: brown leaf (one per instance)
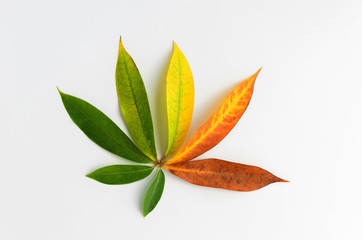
(223, 174)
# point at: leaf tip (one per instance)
(257, 73)
(121, 47)
(252, 79)
(60, 92)
(175, 45)
(145, 214)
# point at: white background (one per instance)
(303, 123)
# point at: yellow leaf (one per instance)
(180, 100)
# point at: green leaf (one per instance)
(101, 130)
(134, 103)
(120, 174)
(154, 193)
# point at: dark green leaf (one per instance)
(134, 103)
(101, 130)
(154, 193)
(120, 174)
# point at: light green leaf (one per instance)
(154, 193)
(134, 103)
(120, 174)
(101, 130)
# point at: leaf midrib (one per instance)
(178, 107)
(105, 174)
(216, 172)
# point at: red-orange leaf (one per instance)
(219, 124)
(223, 174)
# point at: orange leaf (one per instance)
(219, 124)
(223, 174)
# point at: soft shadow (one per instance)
(161, 129)
(207, 111)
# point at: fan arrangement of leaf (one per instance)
(136, 111)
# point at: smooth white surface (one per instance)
(303, 123)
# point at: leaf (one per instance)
(180, 100)
(154, 193)
(120, 174)
(223, 174)
(219, 124)
(180, 104)
(101, 130)
(134, 103)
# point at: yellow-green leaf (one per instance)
(180, 100)
(134, 103)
